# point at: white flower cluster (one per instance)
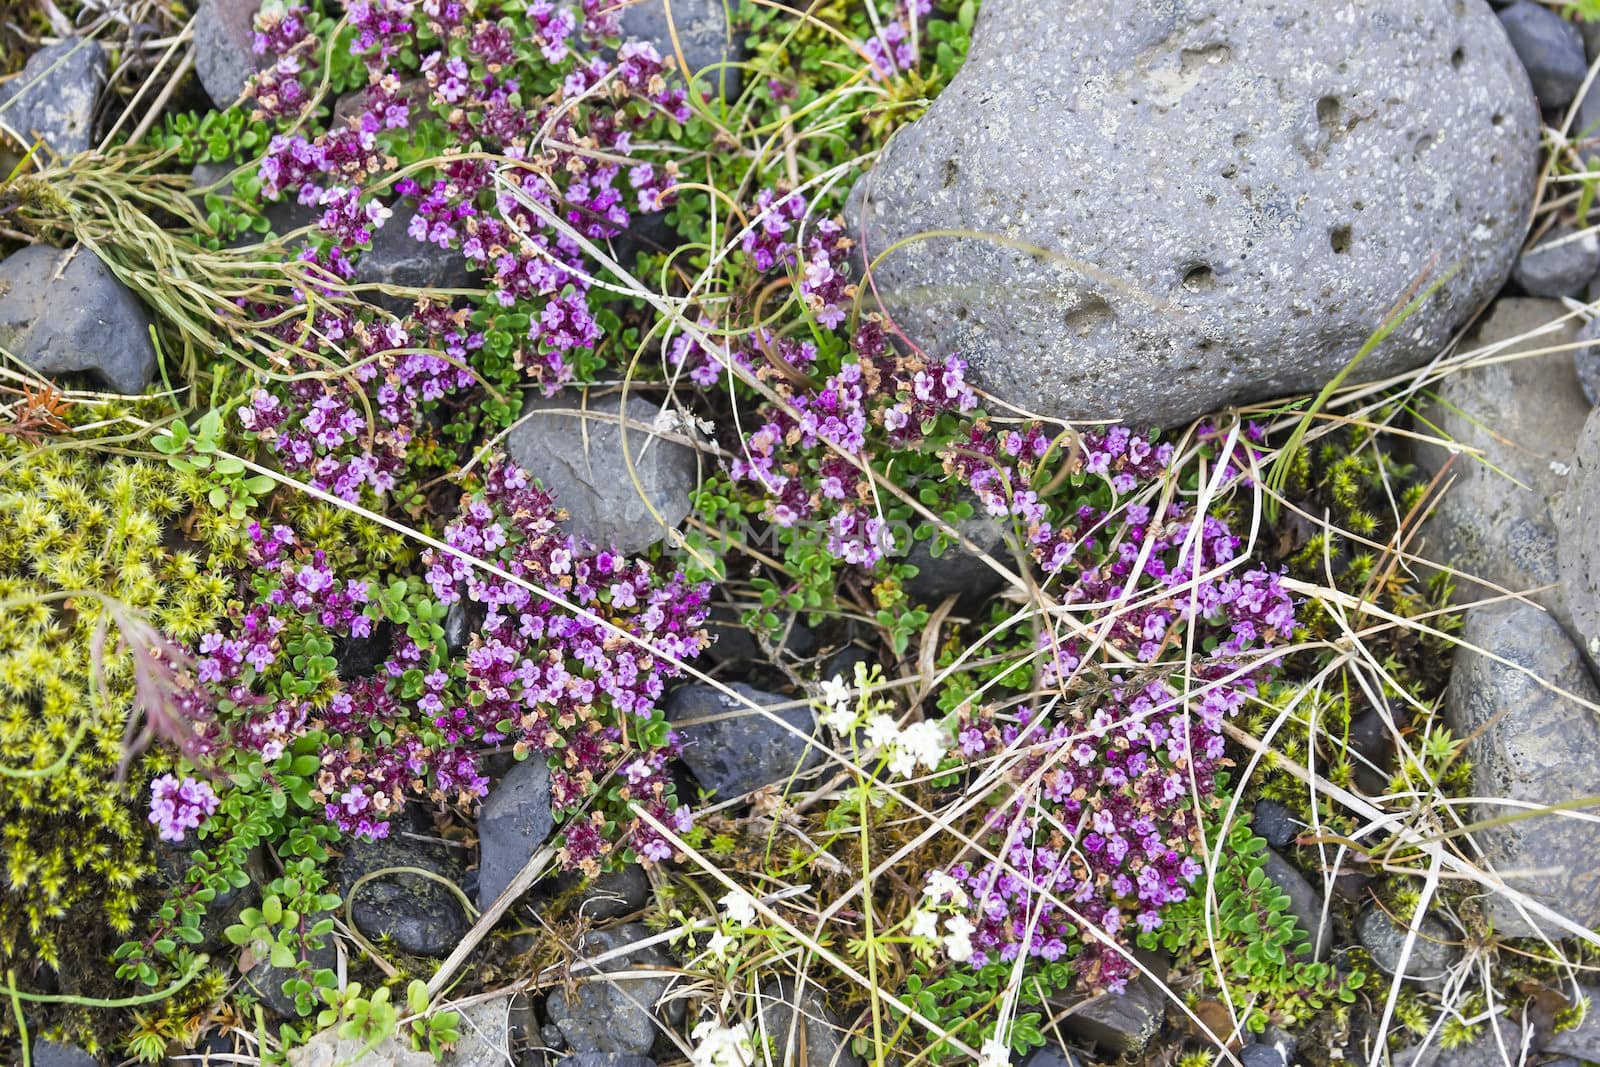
(944, 891)
(840, 713)
(716, 1045)
(922, 743)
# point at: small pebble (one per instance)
(1550, 47)
(1560, 264)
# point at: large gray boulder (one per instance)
(54, 98)
(1494, 522)
(1578, 541)
(62, 312)
(1188, 205)
(1531, 745)
(573, 446)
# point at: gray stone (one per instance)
(54, 1054)
(1500, 1043)
(700, 27)
(1205, 202)
(1259, 1055)
(328, 1049)
(224, 38)
(1305, 902)
(63, 312)
(1050, 1056)
(1550, 47)
(1560, 264)
(514, 821)
(608, 896)
(1371, 746)
(423, 917)
(958, 572)
(488, 1032)
(461, 621)
(1585, 132)
(173, 860)
(398, 259)
(1582, 1040)
(818, 1030)
(607, 1014)
(1586, 361)
(1578, 541)
(1120, 1023)
(742, 749)
(1432, 955)
(605, 1059)
(54, 98)
(1527, 743)
(265, 981)
(579, 459)
(1274, 823)
(1525, 415)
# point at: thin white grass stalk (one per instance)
(1414, 928)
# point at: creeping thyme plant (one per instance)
(231, 639)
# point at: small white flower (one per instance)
(902, 762)
(740, 907)
(942, 887)
(924, 923)
(958, 938)
(719, 945)
(882, 731)
(836, 692)
(722, 1046)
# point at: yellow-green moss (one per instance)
(74, 843)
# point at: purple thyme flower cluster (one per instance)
(1114, 777)
(808, 459)
(373, 755)
(766, 241)
(365, 779)
(894, 48)
(285, 35)
(560, 151)
(560, 682)
(178, 807)
(318, 427)
(706, 366)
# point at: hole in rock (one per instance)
(1341, 239)
(1199, 278)
(1089, 315)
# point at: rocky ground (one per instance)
(1188, 209)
